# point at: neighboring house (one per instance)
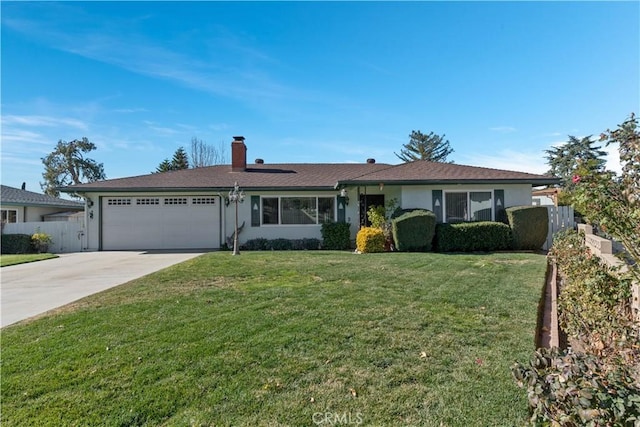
(546, 197)
(190, 209)
(26, 206)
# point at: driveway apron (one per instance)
(34, 288)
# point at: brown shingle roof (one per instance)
(11, 196)
(421, 172)
(311, 176)
(258, 176)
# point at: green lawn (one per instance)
(285, 338)
(6, 260)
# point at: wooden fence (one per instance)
(560, 218)
(67, 236)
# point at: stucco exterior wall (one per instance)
(420, 196)
(33, 213)
(409, 196)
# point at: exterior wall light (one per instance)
(345, 195)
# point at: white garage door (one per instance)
(166, 222)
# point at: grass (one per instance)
(6, 260)
(286, 339)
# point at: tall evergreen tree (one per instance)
(431, 147)
(565, 159)
(180, 159)
(67, 165)
(165, 166)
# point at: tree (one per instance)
(614, 203)
(178, 162)
(565, 159)
(180, 159)
(67, 165)
(203, 154)
(432, 147)
(165, 166)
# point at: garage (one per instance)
(165, 222)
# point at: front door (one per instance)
(367, 201)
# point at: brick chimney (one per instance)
(238, 154)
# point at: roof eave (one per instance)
(41, 205)
(534, 181)
(192, 189)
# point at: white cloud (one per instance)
(48, 121)
(133, 52)
(531, 162)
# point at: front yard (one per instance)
(6, 260)
(285, 338)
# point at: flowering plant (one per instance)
(41, 241)
(614, 202)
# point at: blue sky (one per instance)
(312, 82)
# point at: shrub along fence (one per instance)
(66, 236)
(603, 248)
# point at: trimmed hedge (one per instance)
(336, 236)
(473, 236)
(262, 244)
(529, 226)
(370, 239)
(414, 231)
(17, 244)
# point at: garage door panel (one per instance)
(171, 222)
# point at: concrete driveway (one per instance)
(34, 288)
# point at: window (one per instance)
(118, 202)
(270, 210)
(297, 210)
(469, 206)
(326, 209)
(147, 201)
(203, 201)
(9, 215)
(175, 201)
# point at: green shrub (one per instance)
(414, 231)
(259, 244)
(280, 245)
(262, 244)
(336, 236)
(472, 236)
(399, 212)
(17, 244)
(569, 389)
(370, 239)
(306, 244)
(529, 226)
(594, 302)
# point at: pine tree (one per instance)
(432, 147)
(165, 166)
(180, 159)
